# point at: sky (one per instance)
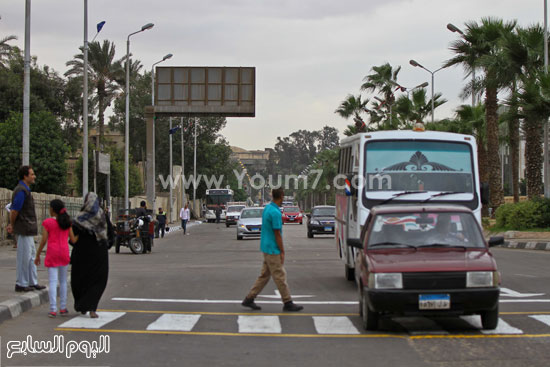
(309, 55)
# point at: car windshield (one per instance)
(291, 209)
(251, 213)
(323, 212)
(235, 208)
(426, 229)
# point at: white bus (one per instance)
(403, 167)
(217, 198)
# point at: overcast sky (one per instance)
(308, 54)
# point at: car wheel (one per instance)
(239, 237)
(309, 234)
(350, 273)
(369, 318)
(136, 246)
(226, 225)
(489, 319)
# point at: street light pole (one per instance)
(455, 29)
(182, 166)
(546, 170)
(27, 83)
(416, 64)
(195, 170)
(166, 57)
(85, 106)
(127, 127)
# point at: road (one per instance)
(180, 306)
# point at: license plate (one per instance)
(434, 302)
(328, 229)
(256, 229)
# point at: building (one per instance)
(252, 160)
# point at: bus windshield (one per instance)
(218, 199)
(403, 165)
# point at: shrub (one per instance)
(524, 215)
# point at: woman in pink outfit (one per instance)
(56, 234)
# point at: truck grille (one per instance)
(435, 280)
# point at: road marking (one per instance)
(86, 322)
(278, 295)
(259, 324)
(502, 328)
(174, 322)
(210, 301)
(334, 325)
(524, 301)
(545, 319)
(291, 314)
(506, 292)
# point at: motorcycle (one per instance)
(135, 233)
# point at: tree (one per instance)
(47, 152)
(354, 106)
(5, 49)
(482, 42)
(103, 71)
(383, 80)
(415, 109)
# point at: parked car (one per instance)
(250, 223)
(233, 214)
(292, 214)
(425, 260)
(321, 220)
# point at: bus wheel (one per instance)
(350, 273)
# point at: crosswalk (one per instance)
(305, 324)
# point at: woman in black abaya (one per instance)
(89, 258)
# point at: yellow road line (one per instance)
(525, 313)
(233, 313)
(311, 336)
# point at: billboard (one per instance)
(196, 91)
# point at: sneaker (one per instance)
(292, 307)
(64, 312)
(249, 302)
(52, 314)
(19, 288)
(38, 287)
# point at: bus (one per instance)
(402, 167)
(217, 198)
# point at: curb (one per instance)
(14, 307)
(527, 245)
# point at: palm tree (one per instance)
(5, 49)
(384, 81)
(353, 106)
(410, 110)
(481, 47)
(103, 71)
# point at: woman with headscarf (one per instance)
(89, 258)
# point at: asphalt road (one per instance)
(180, 306)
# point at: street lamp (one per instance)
(166, 57)
(127, 127)
(455, 29)
(416, 64)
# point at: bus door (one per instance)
(353, 224)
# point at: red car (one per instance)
(292, 214)
(425, 260)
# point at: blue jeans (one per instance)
(26, 270)
(184, 225)
(55, 273)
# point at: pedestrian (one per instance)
(161, 220)
(204, 209)
(89, 258)
(23, 224)
(218, 213)
(271, 245)
(141, 212)
(184, 216)
(56, 234)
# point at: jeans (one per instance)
(26, 270)
(184, 225)
(55, 273)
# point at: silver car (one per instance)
(250, 223)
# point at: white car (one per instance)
(250, 223)
(233, 214)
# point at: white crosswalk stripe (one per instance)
(502, 328)
(545, 319)
(259, 324)
(174, 322)
(334, 325)
(85, 322)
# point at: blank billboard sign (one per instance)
(227, 91)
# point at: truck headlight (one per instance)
(476, 279)
(386, 280)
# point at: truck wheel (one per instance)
(489, 319)
(136, 246)
(369, 318)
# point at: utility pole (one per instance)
(85, 106)
(546, 170)
(182, 166)
(171, 172)
(27, 84)
(195, 170)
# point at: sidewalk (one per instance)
(525, 240)
(13, 303)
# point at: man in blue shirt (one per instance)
(23, 224)
(271, 244)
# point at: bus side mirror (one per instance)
(355, 243)
(485, 193)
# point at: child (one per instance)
(57, 259)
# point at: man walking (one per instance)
(23, 224)
(161, 223)
(185, 214)
(271, 244)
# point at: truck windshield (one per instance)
(404, 165)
